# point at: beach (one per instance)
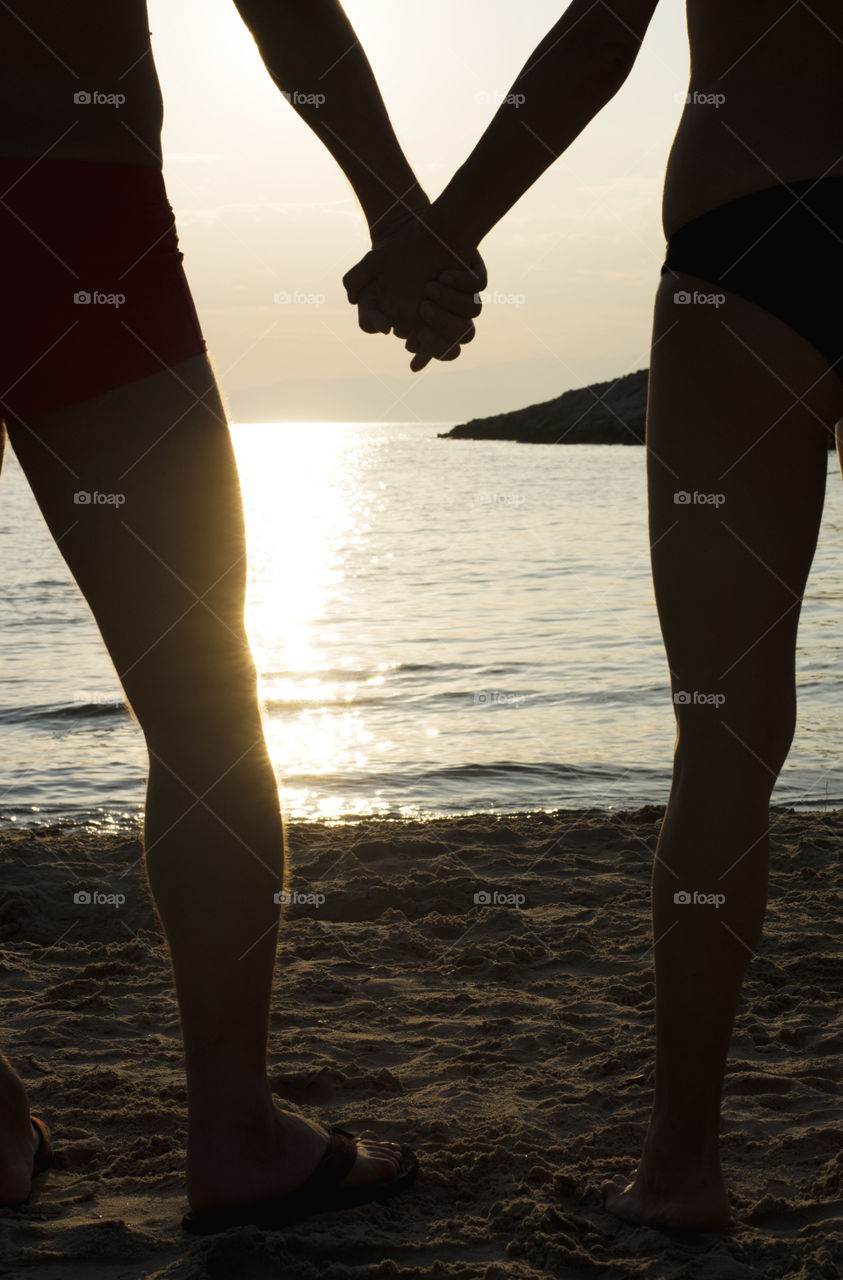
(508, 1041)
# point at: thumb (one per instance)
(355, 280)
(369, 315)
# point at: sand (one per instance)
(511, 1046)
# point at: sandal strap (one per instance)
(43, 1157)
(334, 1166)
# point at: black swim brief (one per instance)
(780, 247)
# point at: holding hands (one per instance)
(419, 284)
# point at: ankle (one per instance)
(226, 1102)
(685, 1151)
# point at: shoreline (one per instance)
(84, 824)
(509, 1043)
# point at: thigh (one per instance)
(139, 487)
(739, 415)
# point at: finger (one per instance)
(454, 328)
(419, 362)
(425, 342)
(371, 320)
(355, 280)
(457, 301)
(467, 279)
(462, 281)
(478, 269)
(370, 316)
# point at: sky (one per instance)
(262, 209)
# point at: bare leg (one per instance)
(19, 1141)
(164, 574)
(19, 1138)
(728, 579)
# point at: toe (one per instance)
(376, 1146)
(613, 1187)
(383, 1155)
(375, 1161)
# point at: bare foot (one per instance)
(18, 1139)
(660, 1200)
(270, 1157)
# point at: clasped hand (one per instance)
(415, 285)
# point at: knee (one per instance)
(744, 744)
(188, 701)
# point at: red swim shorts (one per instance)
(93, 290)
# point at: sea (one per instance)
(440, 627)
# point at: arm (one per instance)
(578, 67)
(574, 72)
(311, 52)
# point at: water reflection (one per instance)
(310, 493)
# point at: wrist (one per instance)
(452, 223)
(411, 206)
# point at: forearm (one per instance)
(312, 53)
(569, 78)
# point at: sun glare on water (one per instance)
(309, 498)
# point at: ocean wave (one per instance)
(82, 710)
